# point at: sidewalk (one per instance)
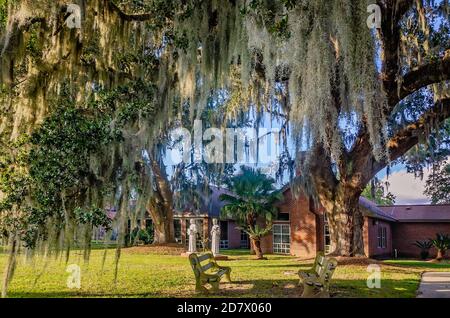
(434, 285)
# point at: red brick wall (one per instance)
(371, 248)
(306, 236)
(405, 234)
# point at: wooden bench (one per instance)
(316, 281)
(208, 273)
(315, 270)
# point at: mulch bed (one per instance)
(162, 249)
(356, 261)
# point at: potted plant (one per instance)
(424, 248)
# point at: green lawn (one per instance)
(150, 275)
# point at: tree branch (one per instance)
(423, 76)
(410, 135)
(392, 12)
(128, 17)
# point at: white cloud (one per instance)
(407, 188)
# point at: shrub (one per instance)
(424, 248)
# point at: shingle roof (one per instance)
(418, 213)
(370, 209)
(215, 205)
(211, 207)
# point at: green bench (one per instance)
(207, 271)
(316, 281)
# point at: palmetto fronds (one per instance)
(254, 195)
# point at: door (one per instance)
(224, 242)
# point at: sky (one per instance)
(406, 188)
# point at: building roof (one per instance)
(392, 213)
(215, 204)
(210, 207)
(370, 209)
(418, 213)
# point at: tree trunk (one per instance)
(10, 265)
(440, 254)
(256, 246)
(160, 207)
(345, 223)
(164, 231)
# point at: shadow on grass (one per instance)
(339, 288)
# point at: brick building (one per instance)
(416, 223)
(230, 236)
(389, 231)
(300, 229)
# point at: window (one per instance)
(327, 235)
(281, 239)
(200, 233)
(283, 216)
(177, 227)
(244, 240)
(382, 237)
(224, 243)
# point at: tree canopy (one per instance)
(355, 98)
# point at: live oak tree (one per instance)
(348, 91)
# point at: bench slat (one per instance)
(207, 266)
(204, 257)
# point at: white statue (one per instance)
(192, 232)
(215, 237)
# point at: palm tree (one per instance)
(442, 244)
(254, 197)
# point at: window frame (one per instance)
(382, 237)
(282, 230)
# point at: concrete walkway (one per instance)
(434, 285)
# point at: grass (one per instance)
(420, 264)
(149, 275)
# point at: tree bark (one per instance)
(440, 254)
(345, 221)
(160, 207)
(162, 223)
(256, 246)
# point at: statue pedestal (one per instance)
(221, 257)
